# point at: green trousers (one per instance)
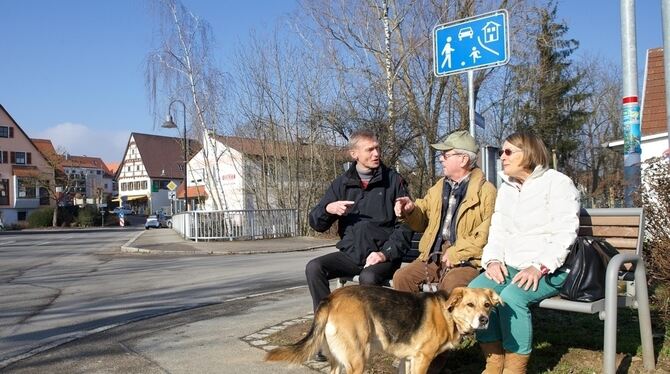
(511, 322)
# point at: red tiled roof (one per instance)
(85, 162)
(112, 166)
(46, 147)
(654, 109)
(193, 192)
(163, 156)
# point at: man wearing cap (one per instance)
(454, 217)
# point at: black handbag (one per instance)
(587, 265)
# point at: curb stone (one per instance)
(258, 340)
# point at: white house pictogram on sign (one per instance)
(491, 33)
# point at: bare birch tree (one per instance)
(183, 68)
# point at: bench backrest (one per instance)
(621, 227)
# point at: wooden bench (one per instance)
(624, 229)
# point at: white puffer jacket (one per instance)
(534, 222)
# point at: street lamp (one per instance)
(169, 124)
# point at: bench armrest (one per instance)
(612, 274)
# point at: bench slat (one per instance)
(623, 243)
(609, 231)
(609, 221)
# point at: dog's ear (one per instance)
(455, 297)
(494, 298)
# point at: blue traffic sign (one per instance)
(471, 43)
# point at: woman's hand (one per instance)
(527, 277)
(496, 271)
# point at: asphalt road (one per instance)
(57, 287)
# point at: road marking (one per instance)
(43, 243)
(8, 242)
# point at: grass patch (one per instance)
(564, 343)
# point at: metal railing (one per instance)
(236, 224)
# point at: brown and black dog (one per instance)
(406, 325)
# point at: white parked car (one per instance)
(125, 210)
(157, 221)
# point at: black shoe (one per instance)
(319, 357)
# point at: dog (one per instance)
(416, 326)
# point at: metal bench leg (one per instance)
(403, 367)
(609, 339)
(642, 298)
(611, 301)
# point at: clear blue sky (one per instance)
(73, 70)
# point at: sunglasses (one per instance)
(507, 152)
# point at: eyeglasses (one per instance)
(507, 152)
(446, 156)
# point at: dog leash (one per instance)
(442, 271)
(433, 287)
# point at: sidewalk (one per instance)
(166, 241)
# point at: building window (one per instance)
(26, 189)
(20, 158)
(144, 185)
(123, 186)
(4, 132)
(44, 196)
(21, 216)
(137, 185)
(105, 186)
(128, 168)
(137, 167)
(97, 172)
(4, 191)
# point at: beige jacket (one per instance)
(473, 219)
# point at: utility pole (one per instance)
(665, 9)
(631, 106)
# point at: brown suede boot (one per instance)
(515, 363)
(495, 357)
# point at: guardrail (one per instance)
(236, 224)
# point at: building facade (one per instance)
(149, 164)
(24, 173)
(81, 180)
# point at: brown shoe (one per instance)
(495, 357)
(515, 363)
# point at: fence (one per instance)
(236, 224)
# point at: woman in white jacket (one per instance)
(535, 221)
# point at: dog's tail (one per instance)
(301, 351)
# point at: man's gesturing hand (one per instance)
(339, 208)
(403, 205)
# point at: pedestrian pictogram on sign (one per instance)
(471, 43)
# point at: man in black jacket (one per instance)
(361, 200)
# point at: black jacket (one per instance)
(369, 224)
